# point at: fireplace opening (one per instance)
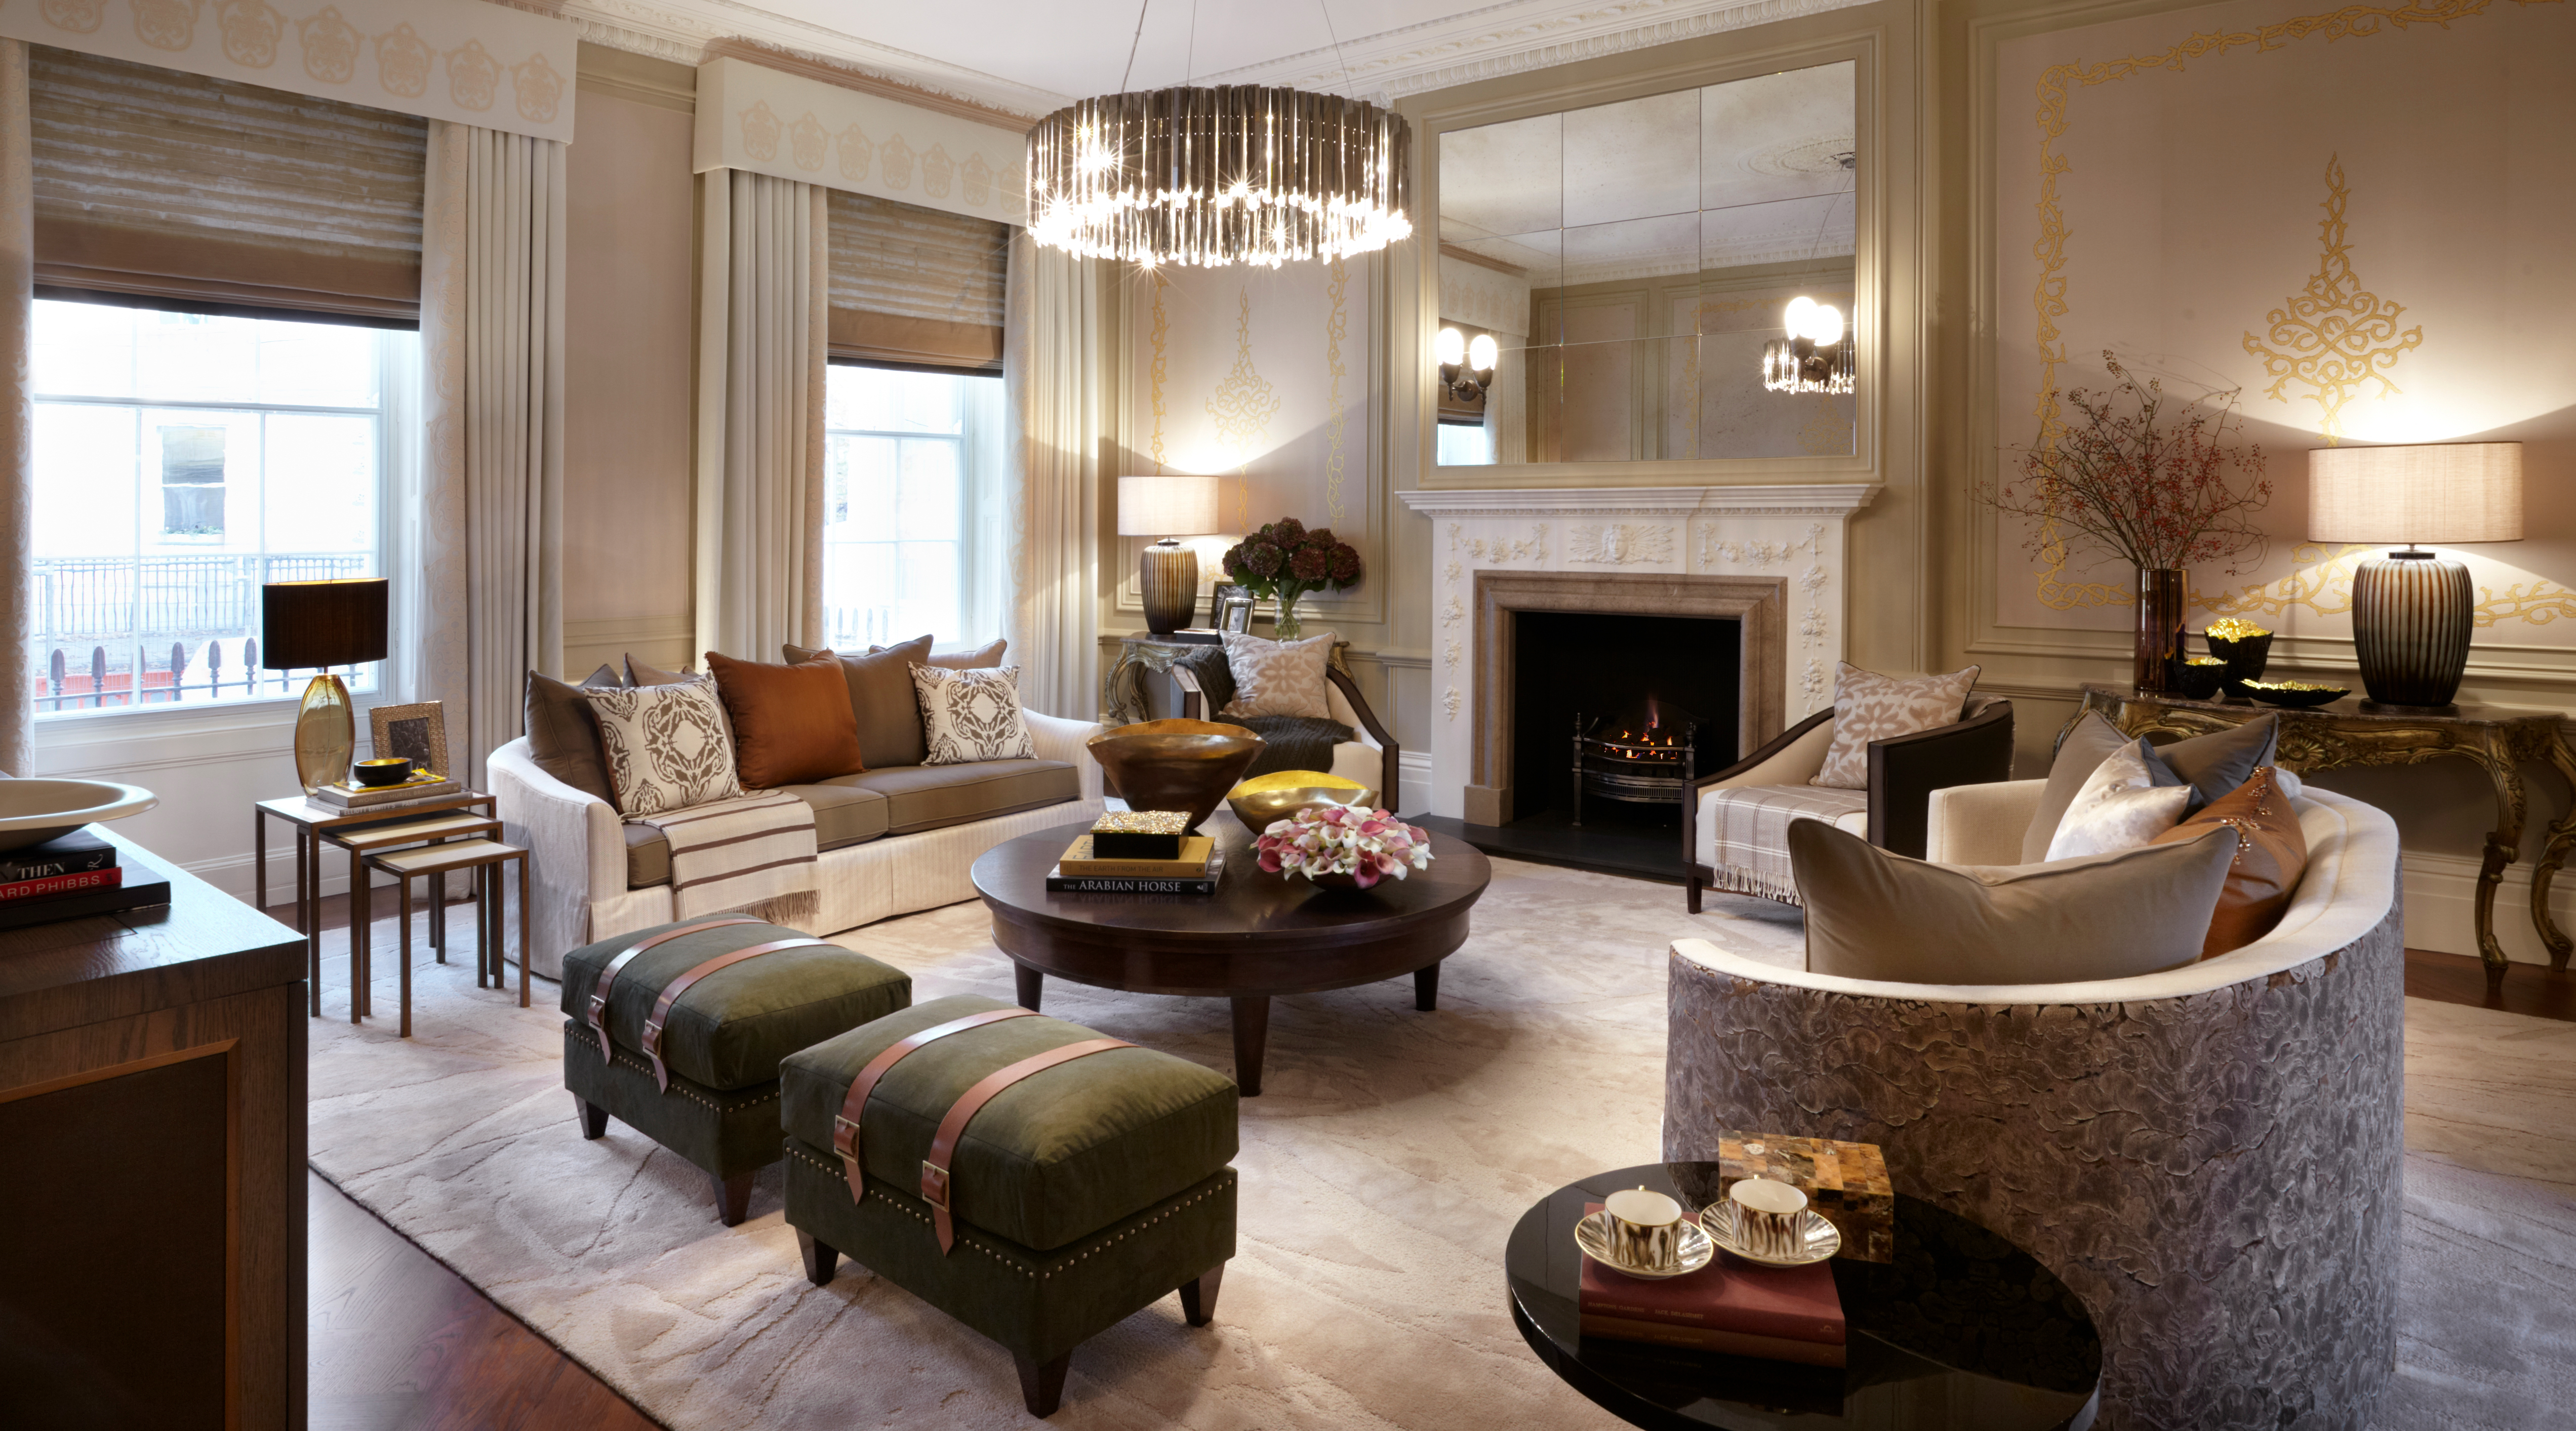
(1613, 714)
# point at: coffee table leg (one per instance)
(1426, 988)
(1032, 982)
(1251, 1040)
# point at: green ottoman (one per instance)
(685, 1047)
(1037, 1211)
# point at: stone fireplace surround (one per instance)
(1770, 556)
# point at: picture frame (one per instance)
(1220, 595)
(418, 730)
(1237, 614)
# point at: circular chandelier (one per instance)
(1212, 176)
(1814, 358)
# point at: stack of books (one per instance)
(1138, 852)
(348, 795)
(78, 863)
(1772, 1313)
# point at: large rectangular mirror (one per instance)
(1634, 265)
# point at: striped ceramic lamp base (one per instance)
(2411, 615)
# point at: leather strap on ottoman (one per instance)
(845, 1126)
(598, 1017)
(672, 991)
(943, 1148)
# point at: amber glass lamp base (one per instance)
(326, 731)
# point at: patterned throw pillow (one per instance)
(667, 747)
(972, 715)
(1278, 678)
(1869, 706)
(2128, 800)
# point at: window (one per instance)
(915, 531)
(183, 460)
(1465, 444)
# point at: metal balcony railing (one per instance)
(116, 632)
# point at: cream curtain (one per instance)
(1051, 408)
(764, 325)
(17, 422)
(491, 511)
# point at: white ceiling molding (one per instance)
(682, 30)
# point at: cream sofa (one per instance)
(2209, 1156)
(585, 882)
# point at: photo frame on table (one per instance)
(1230, 609)
(418, 731)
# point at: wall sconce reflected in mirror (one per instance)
(1466, 367)
(1815, 357)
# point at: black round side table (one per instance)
(1963, 1329)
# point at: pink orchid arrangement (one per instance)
(1327, 840)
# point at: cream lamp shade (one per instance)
(1174, 506)
(2445, 494)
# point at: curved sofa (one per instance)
(2210, 1156)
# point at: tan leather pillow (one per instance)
(792, 725)
(1876, 915)
(2271, 858)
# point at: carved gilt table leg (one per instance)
(2504, 844)
(2562, 835)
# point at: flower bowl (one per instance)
(2296, 695)
(1184, 765)
(2199, 677)
(2244, 648)
(1280, 797)
(1343, 847)
(34, 811)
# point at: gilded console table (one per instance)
(1124, 699)
(2348, 734)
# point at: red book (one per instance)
(109, 878)
(1725, 1302)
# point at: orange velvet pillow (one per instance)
(792, 725)
(2271, 855)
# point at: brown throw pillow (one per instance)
(792, 725)
(639, 674)
(2271, 858)
(563, 735)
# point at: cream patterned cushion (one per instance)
(2129, 799)
(1278, 678)
(972, 715)
(667, 747)
(1869, 706)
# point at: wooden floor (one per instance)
(399, 1343)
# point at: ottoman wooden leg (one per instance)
(1042, 1384)
(820, 1258)
(733, 1196)
(1198, 1296)
(594, 1119)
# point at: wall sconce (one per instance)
(1465, 367)
(1816, 357)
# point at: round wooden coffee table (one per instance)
(1259, 935)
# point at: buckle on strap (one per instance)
(598, 1021)
(653, 1051)
(934, 1185)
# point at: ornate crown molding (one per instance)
(688, 31)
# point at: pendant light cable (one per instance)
(1336, 38)
(1127, 73)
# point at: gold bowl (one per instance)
(1184, 765)
(1259, 809)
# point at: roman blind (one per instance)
(153, 182)
(916, 285)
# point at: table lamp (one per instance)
(1168, 574)
(311, 626)
(2412, 610)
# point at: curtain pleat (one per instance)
(17, 421)
(492, 321)
(760, 534)
(1051, 404)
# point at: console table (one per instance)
(2357, 733)
(1123, 695)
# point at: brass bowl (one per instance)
(1259, 809)
(1184, 765)
(2296, 695)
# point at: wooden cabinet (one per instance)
(152, 1130)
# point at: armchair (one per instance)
(1373, 758)
(1735, 823)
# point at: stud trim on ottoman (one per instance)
(696, 1016)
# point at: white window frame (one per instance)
(983, 514)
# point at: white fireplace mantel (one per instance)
(1790, 531)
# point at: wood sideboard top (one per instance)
(204, 944)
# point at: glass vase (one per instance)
(1287, 627)
(2161, 594)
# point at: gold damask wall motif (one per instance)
(1242, 407)
(2334, 337)
(1162, 334)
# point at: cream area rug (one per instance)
(1383, 1168)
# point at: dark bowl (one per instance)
(385, 770)
(2299, 697)
(2244, 658)
(1184, 765)
(2198, 683)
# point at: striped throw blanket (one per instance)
(1750, 849)
(754, 855)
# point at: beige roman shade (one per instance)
(916, 285)
(153, 182)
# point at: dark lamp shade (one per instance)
(310, 625)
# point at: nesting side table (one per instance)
(312, 821)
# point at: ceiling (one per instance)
(1034, 56)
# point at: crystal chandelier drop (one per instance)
(1237, 174)
(1816, 356)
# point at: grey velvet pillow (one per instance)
(881, 697)
(2212, 765)
(563, 734)
(1876, 915)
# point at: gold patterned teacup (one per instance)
(1769, 1217)
(1645, 1228)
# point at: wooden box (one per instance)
(1846, 1182)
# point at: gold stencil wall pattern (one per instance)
(1162, 335)
(2335, 337)
(1337, 327)
(1241, 407)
